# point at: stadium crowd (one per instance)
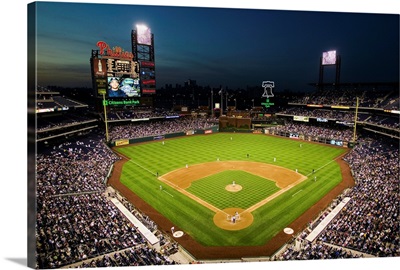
(46, 123)
(76, 222)
(370, 221)
(347, 116)
(369, 224)
(138, 114)
(368, 98)
(344, 134)
(155, 128)
(316, 251)
(71, 196)
(321, 113)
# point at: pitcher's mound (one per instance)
(233, 188)
(233, 219)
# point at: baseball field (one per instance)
(230, 190)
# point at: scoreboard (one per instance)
(116, 74)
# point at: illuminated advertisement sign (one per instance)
(120, 102)
(329, 58)
(337, 142)
(99, 67)
(148, 81)
(301, 118)
(148, 91)
(146, 64)
(340, 107)
(349, 124)
(54, 109)
(101, 84)
(100, 74)
(267, 103)
(121, 142)
(392, 111)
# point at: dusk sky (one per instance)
(232, 47)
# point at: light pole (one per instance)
(212, 103)
(226, 101)
(105, 116)
(235, 104)
(221, 92)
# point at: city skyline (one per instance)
(226, 47)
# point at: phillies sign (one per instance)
(114, 52)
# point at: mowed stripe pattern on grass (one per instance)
(212, 189)
(195, 219)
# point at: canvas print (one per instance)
(172, 135)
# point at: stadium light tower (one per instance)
(329, 58)
(142, 40)
(143, 34)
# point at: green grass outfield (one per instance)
(139, 175)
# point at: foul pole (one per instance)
(355, 123)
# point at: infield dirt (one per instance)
(181, 179)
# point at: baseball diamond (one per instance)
(182, 179)
(215, 189)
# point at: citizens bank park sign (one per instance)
(120, 102)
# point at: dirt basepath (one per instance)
(201, 252)
(181, 179)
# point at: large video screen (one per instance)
(123, 87)
(329, 58)
(143, 35)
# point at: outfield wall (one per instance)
(120, 142)
(299, 136)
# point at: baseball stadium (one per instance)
(209, 175)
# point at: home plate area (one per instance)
(233, 219)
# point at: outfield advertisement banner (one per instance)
(121, 142)
(301, 118)
(322, 119)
